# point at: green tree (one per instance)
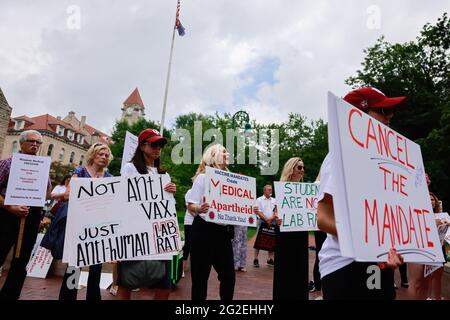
(420, 70)
(58, 171)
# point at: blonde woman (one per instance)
(210, 243)
(290, 277)
(98, 158)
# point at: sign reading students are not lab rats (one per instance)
(380, 198)
(297, 205)
(231, 197)
(120, 218)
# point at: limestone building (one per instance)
(133, 107)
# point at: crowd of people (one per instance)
(224, 247)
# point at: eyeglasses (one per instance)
(37, 142)
(155, 144)
(300, 167)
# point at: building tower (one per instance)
(133, 107)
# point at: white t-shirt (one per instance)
(330, 258)
(197, 192)
(58, 189)
(266, 205)
(130, 170)
(188, 217)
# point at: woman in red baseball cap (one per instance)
(342, 277)
(146, 160)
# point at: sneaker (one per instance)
(270, 262)
(113, 290)
(395, 286)
(182, 275)
(311, 287)
(405, 285)
(136, 290)
(319, 298)
(256, 263)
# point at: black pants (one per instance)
(9, 230)
(211, 247)
(320, 237)
(69, 291)
(403, 272)
(187, 241)
(290, 278)
(350, 283)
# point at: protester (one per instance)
(59, 191)
(10, 217)
(210, 242)
(343, 277)
(98, 158)
(266, 215)
(146, 160)
(290, 278)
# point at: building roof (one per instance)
(134, 98)
(3, 101)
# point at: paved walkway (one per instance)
(255, 284)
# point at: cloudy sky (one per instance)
(266, 57)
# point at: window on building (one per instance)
(19, 125)
(70, 135)
(72, 156)
(61, 154)
(81, 160)
(59, 130)
(50, 149)
(80, 139)
(15, 147)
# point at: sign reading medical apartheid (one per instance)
(297, 205)
(120, 218)
(231, 197)
(381, 199)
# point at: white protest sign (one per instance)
(297, 205)
(129, 148)
(120, 218)
(231, 197)
(430, 268)
(381, 199)
(40, 261)
(28, 180)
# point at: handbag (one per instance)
(141, 273)
(53, 239)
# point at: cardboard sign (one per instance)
(28, 180)
(120, 218)
(297, 205)
(129, 148)
(231, 197)
(40, 261)
(265, 239)
(381, 199)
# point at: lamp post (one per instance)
(242, 119)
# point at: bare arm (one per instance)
(325, 215)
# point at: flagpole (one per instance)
(167, 85)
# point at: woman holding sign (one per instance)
(98, 158)
(146, 160)
(210, 242)
(290, 277)
(342, 277)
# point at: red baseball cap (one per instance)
(150, 135)
(369, 97)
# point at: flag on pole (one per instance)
(178, 25)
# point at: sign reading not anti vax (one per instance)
(231, 197)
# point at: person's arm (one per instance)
(196, 209)
(325, 215)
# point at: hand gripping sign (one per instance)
(231, 197)
(380, 198)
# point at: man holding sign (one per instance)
(342, 276)
(10, 220)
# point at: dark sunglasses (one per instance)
(38, 142)
(300, 167)
(155, 144)
(384, 111)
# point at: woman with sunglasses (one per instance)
(146, 160)
(98, 158)
(290, 277)
(343, 278)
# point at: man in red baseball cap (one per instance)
(152, 137)
(374, 103)
(343, 278)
